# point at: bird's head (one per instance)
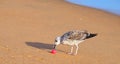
(57, 42)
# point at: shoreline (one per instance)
(94, 7)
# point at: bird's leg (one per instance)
(71, 51)
(76, 49)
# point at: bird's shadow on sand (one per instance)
(42, 46)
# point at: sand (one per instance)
(28, 29)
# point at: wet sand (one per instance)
(28, 29)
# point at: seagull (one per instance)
(73, 38)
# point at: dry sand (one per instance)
(28, 29)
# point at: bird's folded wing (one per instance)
(74, 35)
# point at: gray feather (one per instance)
(74, 35)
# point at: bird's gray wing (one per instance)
(77, 35)
(74, 35)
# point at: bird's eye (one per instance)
(55, 40)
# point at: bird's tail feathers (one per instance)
(90, 35)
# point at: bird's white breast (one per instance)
(72, 42)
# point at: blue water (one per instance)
(112, 6)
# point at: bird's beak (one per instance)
(54, 46)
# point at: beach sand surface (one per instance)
(28, 29)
